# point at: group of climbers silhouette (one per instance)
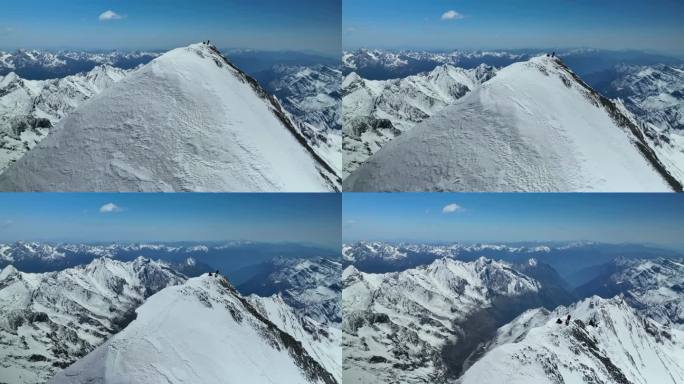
(567, 320)
(552, 54)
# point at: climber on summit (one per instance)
(553, 54)
(567, 320)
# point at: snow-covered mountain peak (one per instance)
(7, 272)
(236, 343)
(188, 120)
(533, 127)
(595, 340)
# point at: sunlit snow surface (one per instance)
(533, 127)
(199, 332)
(187, 121)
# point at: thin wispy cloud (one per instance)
(451, 208)
(110, 208)
(451, 15)
(110, 15)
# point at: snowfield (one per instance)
(199, 332)
(533, 127)
(187, 121)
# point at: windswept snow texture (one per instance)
(376, 111)
(199, 332)
(534, 127)
(187, 121)
(397, 325)
(605, 341)
(49, 320)
(30, 108)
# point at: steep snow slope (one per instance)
(606, 341)
(49, 320)
(199, 332)
(534, 127)
(405, 327)
(29, 108)
(187, 121)
(375, 112)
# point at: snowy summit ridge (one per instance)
(187, 121)
(535, 126)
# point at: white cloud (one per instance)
(110, 208)
(110, 15)
(451, 208)
(451, 15)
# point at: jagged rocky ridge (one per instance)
(49, 320)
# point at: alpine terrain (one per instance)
(420, 325)
(30, 108)
(376, 111)
(204, 331)
(535, 126)
(593, 341)
(187, 121)
(49, 320)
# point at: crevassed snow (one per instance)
(533, 127)
(187, 121)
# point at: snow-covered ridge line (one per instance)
(330, 175)
(207, 328)
(223, 133)
(623, 121)
(505, 136)
(598, 340)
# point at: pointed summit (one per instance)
(187, 121)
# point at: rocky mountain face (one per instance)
(421, 325)
(655, 288)
(311, 96)
(224, 132)
(303, 298)
(376, 111)
(505, 135)
(203, 330)
(29, 109)
(653, 95)
(49, 320)
(593, 341)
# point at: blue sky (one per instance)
(303, 25)
(612, 218)
(485, 24)
(304, 218)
